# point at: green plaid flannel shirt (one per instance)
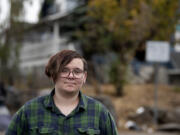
(41, 116)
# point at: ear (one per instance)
(85, 77)
(52, 80)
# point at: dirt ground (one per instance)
(136, 96)
(2, 133)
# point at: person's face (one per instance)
(72, 76)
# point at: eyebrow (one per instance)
(72, 68)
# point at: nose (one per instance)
(71, 75)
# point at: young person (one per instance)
(65, 111)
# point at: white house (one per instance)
(43, 39)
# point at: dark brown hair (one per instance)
(58, 61)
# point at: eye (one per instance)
(78, 71)
(65, 70)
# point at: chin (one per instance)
(70, 89)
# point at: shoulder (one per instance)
(37, 100)
(33, 104)
(103, 112)
(92, 102)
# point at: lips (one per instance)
(70, 83)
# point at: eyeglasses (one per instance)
(77, 73)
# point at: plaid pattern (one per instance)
(41, 116)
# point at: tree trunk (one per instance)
(92, 78)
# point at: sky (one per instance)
(31, 10)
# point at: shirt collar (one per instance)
(49, 103)
(83, 101)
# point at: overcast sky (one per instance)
(31, 10)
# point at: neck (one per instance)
(65, 97)
(66, 102)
